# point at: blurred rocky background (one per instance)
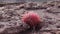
(10, 16)
(17, 1)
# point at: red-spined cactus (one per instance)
(31, 18)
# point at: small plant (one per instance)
(31, 18)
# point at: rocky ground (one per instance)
(10, 17)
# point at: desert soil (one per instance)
(10, 17)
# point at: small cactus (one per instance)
(31, 18)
